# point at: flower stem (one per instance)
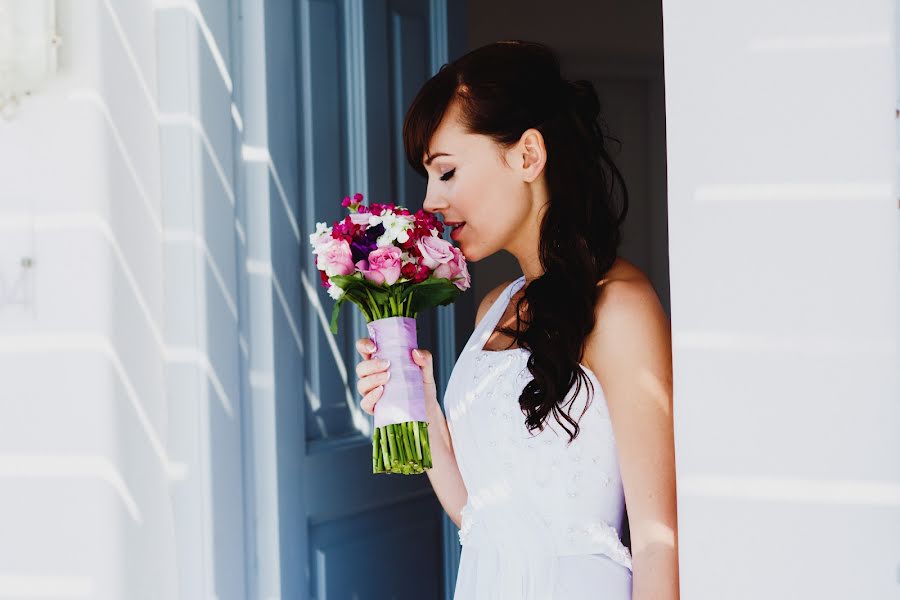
(385, 453)
(402, 444)
(392, 444)
(395, 310)
(418, 441)
(426, 446)
(406, 445)
(409, 301)
(374, 305)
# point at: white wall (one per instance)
(122, 353)
(783, 241)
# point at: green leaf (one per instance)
(358, 286)
(362, 292)
(430, 293)
(334, 314)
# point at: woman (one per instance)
(516, 160)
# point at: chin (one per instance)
(470, 254)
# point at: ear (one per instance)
(531, 154)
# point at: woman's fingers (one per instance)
(366, 347)
(369, 382)
(369, 400)
(371, 366)
(423, 358)
(374, 373)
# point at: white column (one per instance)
(784, 288)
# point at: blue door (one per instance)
(359, 65)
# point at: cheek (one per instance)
(480, 200)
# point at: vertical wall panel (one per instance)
(325, 155)
(783, 244)
(203, 328)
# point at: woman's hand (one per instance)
(373, 373)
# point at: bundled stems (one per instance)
(401, 448)
(395, 307)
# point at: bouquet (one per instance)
(392, 265)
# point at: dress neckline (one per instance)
(494, 319)
(490, 317)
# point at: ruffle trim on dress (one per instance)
(465, 523)
(603, 533)
(596, 535)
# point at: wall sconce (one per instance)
(28, 43)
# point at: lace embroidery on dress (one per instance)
(465, 522)
(605, 534)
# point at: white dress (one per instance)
(542, 519)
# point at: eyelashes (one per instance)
(448, 175)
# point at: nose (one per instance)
(433, 203)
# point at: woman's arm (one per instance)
(631, 344)
(444, 474)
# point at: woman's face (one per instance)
(474, 186)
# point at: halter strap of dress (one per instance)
(491, 318)
(489, 321)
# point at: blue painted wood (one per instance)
(323, 86)
(359, 65)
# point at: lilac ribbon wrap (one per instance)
(403, 398)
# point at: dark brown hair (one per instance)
(503, 89)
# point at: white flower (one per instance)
(316, 239)
(395, 227)
(335, 292)
(360, 218)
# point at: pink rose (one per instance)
(335, 258)
(435, 251)
(455, 268)
(383, 265)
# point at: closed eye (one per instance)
(448, 175)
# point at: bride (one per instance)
(559, 409)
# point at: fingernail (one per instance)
(385, 363)
(380, 388)
(417, 353)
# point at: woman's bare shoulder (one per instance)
(627, 306)
(623, 270)
(489, 300)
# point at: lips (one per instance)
(457, 228)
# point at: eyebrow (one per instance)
(434, 156)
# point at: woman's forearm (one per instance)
(444, 474)
(656, 573)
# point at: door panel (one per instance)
(359, 66)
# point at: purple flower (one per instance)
(360, 248)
